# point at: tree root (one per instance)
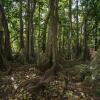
(38, 83)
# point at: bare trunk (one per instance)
(21, 27)
(7, 46)
(44, 33)
(86, 55)
(29, 45)
(96, 39)
(53, 29)
(77, 40)
(70, 31)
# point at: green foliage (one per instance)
(12, 13)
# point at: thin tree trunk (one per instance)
(29, 44)
(96, 40)
(77, 42)
(21, 27)
(27, 30)
(86, 55)
(70, 31)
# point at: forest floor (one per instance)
(67, 85)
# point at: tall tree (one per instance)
(44, 33)
(77, 21)
(86, 55)
(4, 37)
(70, 31)
(96, 35)
(52, 31)
(7, 46)
(21, 27)
(29, 45)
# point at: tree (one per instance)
(29, 29)
(70, 31)
(21, 27)
(77, 30)
(7, 46)
(86, 55)
(4, 43)
(52, 31)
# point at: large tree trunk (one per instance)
(7, 46)
(52, 32)
(3, 61)
(1, 39)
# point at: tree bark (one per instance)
(70, 31)
(77, 40)
(44, 33)
(52, 31)
(86, 54)
(7, 46)
(29, 45)
(96, 30)
(21, 27)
